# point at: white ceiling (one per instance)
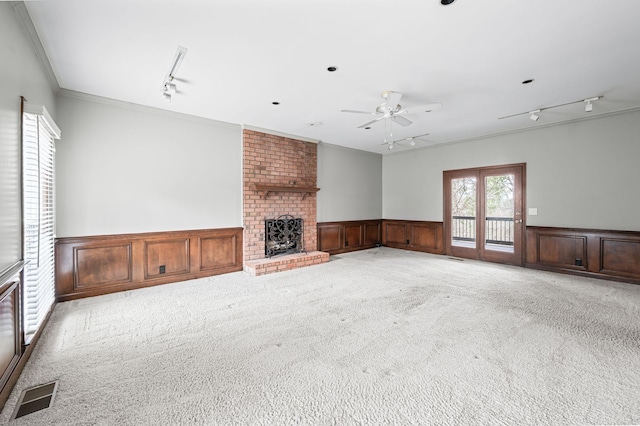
(243, 54)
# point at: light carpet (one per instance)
(380, 336)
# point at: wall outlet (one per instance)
(163, 269)
(533, 211)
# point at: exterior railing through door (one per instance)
(498, 230)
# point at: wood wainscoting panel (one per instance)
(9, 332)
(166, 257)
(426, 236)
(10, 326)
(602, 253)
(100, 264)
(90, 266)
(394, 234)
(372, 233)
(562, 251)
(346, 236)
(330, 237)
(423, 236)
(353, 236)
(620, 257)
(221, 251)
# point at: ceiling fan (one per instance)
(411, 141)
(392, 110)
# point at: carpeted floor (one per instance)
(381, 336)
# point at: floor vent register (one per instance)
(35, 399)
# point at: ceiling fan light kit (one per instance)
(392, 112)
(391, 109)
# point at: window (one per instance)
(38, 134)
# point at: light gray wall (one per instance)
(122, 168)
(583, 174)
(21, 74)
(350, 183)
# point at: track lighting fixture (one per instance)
(534, 115)
(411, 141)
(589, 106)
(169, 87)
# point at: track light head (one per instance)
(534, 115)
(390, 146)
(412, 142)
(589, 105)
(446, 2)
(168, 86)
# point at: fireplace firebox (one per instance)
(283, 235)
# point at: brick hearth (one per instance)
(278, 161)
(285, 263)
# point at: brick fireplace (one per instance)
(279, 178)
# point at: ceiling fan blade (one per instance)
(357, 112)
(370, 122)
(421, 108)
(401, 120)
(392, 99)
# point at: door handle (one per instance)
(518, 221)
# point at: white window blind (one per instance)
(38, 134)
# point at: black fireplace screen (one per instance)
(283, 235)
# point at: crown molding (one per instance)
(347, 148)
(23, 17)
(281, 134)
(144, 108)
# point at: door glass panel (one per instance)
(463, 212)
(499, 214)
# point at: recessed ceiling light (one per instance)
(446, 2)
(275, 103)
(527, 81)
(332, 69)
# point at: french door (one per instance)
(484, 213)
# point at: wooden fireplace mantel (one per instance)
(266, 189)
